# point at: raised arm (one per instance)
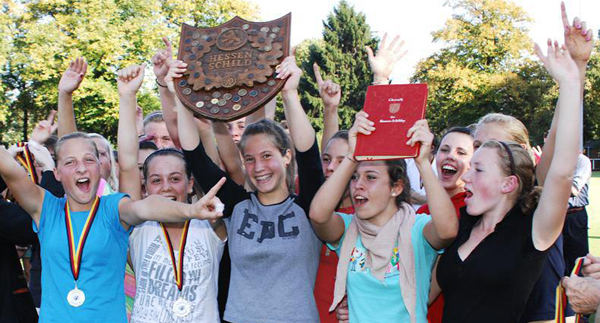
(159, 208)
(69, 82)
(330, 95)
(44, 129)
(301, 131)
(443, 228)
(328, 225)
(550, 213)
(160, 63)
(28, 194)
(579, 42)
(129, 81)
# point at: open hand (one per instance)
(160, 60)
(72, 77)
(328, 90)
(42, 156)
(209, 207)
(130, 79)
(288, 70)
(558, 63)
(578, 39)
(382, 64)
(44, 129)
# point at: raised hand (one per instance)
(209, 207)
(44, 129)
(72, 77)
(290, 71)
(175, 71)
(578, 39)
(420, 133)
(130, 79)
(160, 61)
(42, 156)
(382, 64)
(361, 125)
(558, 62)
(328, 90)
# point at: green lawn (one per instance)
(594, 213)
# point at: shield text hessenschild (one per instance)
(231, 68)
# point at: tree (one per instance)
(45, 35)
(342, 57)
(485, 67)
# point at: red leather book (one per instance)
(394, 109)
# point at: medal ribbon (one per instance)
(27, 160)
(561, 296)
(177, 264)
(75, 255)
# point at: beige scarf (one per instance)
(379, 242)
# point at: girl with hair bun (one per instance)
(489, 271)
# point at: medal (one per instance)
(181, 307)
(76, 297)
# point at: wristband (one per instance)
(352, 159)
(157, 83)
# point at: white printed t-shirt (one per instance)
(156, 290)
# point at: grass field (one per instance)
(594, 214)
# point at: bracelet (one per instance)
(381, 81)
(352, 159)
(157, 83)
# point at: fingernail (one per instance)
(588, 38)
(578, 26)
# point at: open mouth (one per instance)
(83, 184)
(448, 171)
(469, 194)
(360, 201)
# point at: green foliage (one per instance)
(591, 100)
(342, 57)
(484, 67)
(42, 36)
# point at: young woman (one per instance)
(505, 234)
(87, 284)
(274, 251)
(386, 251)
(176, 264)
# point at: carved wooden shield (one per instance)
(231, 68)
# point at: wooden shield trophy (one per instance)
(231, 68)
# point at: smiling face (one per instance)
(78, 169)
(264, 163)
(371, 192)
(157, 132)
(167, 177)
(452, 160)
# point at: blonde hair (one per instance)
(515, 128)
(513, 156)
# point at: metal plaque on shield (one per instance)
(231, 68)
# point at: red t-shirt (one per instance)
(326, 279)
(436, 309)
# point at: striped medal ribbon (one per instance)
(27, 160)
(561, 296)
(76, 297)
(181, 307)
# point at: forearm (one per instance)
(66, 115)
(228, 152)
(331, 191)
(208, 141)
(189, 136)
(154, 208)
(543, 165)
(168, 106)
(443, 215)
(301, 131)
(330, 125)
(568, 131)
(28, 194)
(128, 148)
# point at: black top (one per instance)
(496, 279)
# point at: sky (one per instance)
(414, 21)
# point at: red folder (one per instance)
(394, 109)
